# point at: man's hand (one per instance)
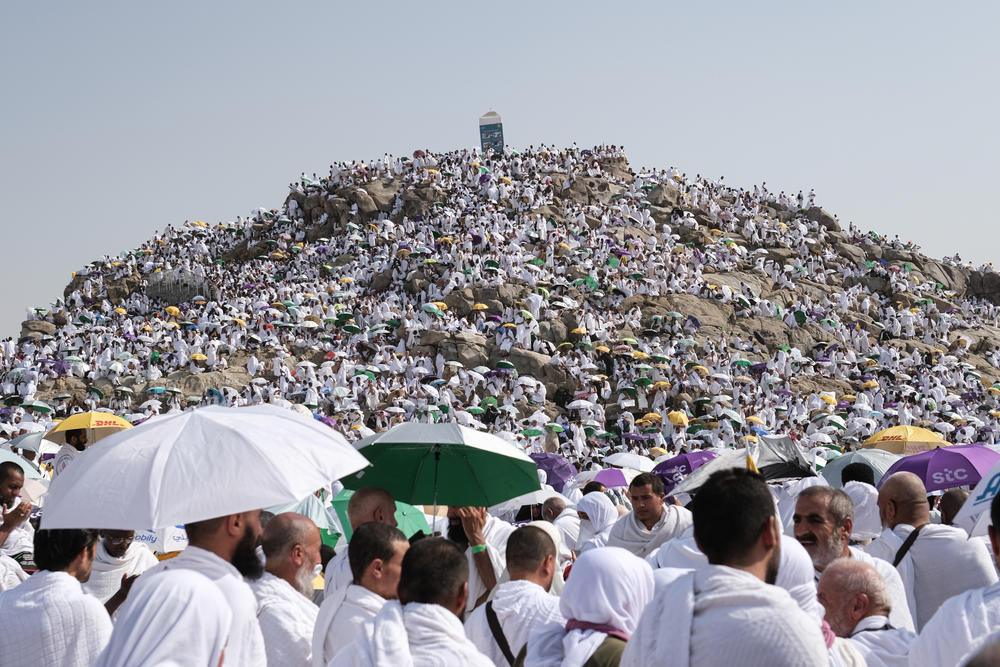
(118, 598)
(17, 516)
(473, 521)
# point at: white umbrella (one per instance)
(580, 404)
(197, 465)
(163, 540)
(630, 460)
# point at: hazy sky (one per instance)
(121, 117)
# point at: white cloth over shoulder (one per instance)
(11, 573)
(338, 575)
(415, 635)
(957, 627)
(49, 620)
(287, 619)
(521, 608)
(718, 615)
(942, 562)
(340, 620)
(177, 618)
(630, 533)
(882, 646)
(899, 616)
(795, 571)
(246, 644)
(608, 587)
(495, 532)
(106, 575)
(568, 524)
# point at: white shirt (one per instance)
(942, 562)
(106, 575)
(246, 643)
(521, 608)
(629, 533)
(286, 620)
(340, 621)
(49, 620)
(880, 644)
(957, 627)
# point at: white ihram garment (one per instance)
(340, 620)
(521, 608)
(958, 626)
(881, 646)
(106, 575)
(286, 620)
(629, 533)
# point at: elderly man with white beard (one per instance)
(823, 521)
(285, 610)
(857, 609)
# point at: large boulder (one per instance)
(823, 217)
(383, 192)
(665, 194)
(41, 327)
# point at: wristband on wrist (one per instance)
(479, 547)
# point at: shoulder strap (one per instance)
(910, 539)
(498, 636)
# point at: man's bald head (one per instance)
(284, 531)
(552, 508)
(903, 499)
(851, 590)
(371, 504)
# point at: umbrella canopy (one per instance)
(30, 441)
(29, 470)
(878, 460)
(630, 460)
(675, 469)
(409, 519)
(905, 440)
(975, 513)
(558, 470)
(946, 468)
(98, 424)
(198, 465)
(444, 464)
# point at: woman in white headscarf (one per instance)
(597, 516)
(603, 598)
(178, 618)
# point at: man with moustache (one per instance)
(823, 522)
(224, 549)
(732, 597)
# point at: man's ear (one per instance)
(848, 526)
(462, 599)
(771, 533)
(234, 525)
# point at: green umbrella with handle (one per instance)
(447, 464)
(409, 519)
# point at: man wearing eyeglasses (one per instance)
(117, 562)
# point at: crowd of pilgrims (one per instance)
(604, 576)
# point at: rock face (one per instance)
(40, 327)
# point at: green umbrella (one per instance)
(352, 328)
(505, 364)
(532, 432)
(475, 410)
(444, 464)
(489, 401)
(409, 519)
(742, 363)
(554, 427)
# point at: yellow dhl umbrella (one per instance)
(677, 418)
(639, 354)
(479, 306)
(905, 440)
(98, 425)
(121, 311)
(505, 179)
(994, 391)
(198, 357)
(172, 310)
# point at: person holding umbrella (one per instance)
(224, 549)
(483, 538)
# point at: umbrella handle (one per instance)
(437, 460)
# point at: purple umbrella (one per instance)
(947, 467)
(558, 470)
(672, 471)
(611, 477)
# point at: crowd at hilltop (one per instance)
(519, 219)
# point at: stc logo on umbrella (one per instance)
(949, 475)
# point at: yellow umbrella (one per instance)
(479, 306)
(199, 223)
(994, 391)
(905, 440)
(701, 370)
(579, 330)
(198, 357)
(658, 451)
(172, 325)
(602, 348)
(652, 416)
(121, 311)
(678, 418)
(829, 400)
(441, 305)
(742, 378)
(871, 384)
(172, 310)
(347, 280)
(848, 397)
(240, 322)
(98, 425)
(146, 328)
(661, 385)
(754, 419)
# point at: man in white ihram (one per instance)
(727, 612)
(117, 559)
(500, 628)
(366, 505)
(823, 523)
(285, 610)
(934, 561)
(857, 605)
(963, 621)
(650, 523)
(423, 627)
(376, 555)
(224, 549)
